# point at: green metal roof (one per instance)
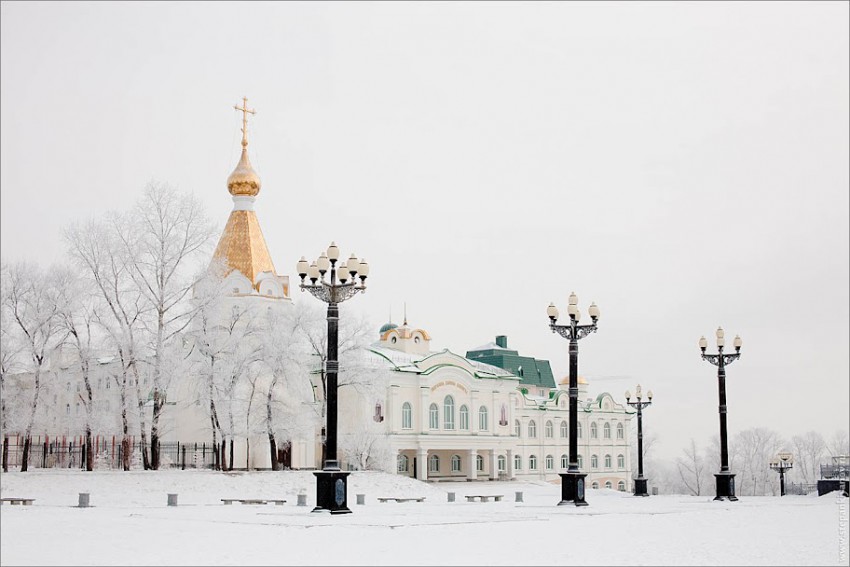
(532, 372)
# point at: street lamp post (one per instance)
(725, 478)
(783, 462)
(331, 482)
(640, 481)
(572, 481)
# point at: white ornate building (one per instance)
(451, 417)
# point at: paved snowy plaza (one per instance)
(130, 523)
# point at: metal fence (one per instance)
(801, 488)
(108, 453)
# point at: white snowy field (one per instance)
(129, 523)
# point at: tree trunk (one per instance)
(89, 450)
(141, 403)
(26, 454)
(273, 448)
(231, 454)
(5, 453)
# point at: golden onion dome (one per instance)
(244, 181)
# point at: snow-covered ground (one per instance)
(130, 523)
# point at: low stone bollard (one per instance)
(518, 496)
(450, 496)
(655, 491)
(361, 499)
(84, 500)
(172, 500)
(302, 500)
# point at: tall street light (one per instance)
(640, 481)
(331, 482)
(572, 481)
(725, 478)
(783, 462)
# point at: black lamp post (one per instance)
(783, 462)
(572, 481)
(331, 482)
(640, 481)
(725, 478)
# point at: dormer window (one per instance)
(416, 340)
(394, 340)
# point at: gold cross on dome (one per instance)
(245, 112)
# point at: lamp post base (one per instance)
(332, 492)
(725, 486)
(640, 486)
(572, 488)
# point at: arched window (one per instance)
(619, 431)
(550, 430)
(563, 429)
(433, 463)
(77, 408)
(455, 463)
(379, 413)
(406, 416)
(580, 461)
(517, 463)
(532, 429)
(606, 430)
(434, 417)
(532, 462)
(621, 486)
(479, 463)
(550, 462)
(517, 428)
(503, 419)
(608, 484)
(594, 485)
(99, 382)
(402, 463)
(464, 418)
(594, 462)
(578, 430)
(565, 462)
(593, 431)
(68, 386)
(502, 462)
(607, 461)
(482, 419)
(449, 413)
(67, 409)
(621, 462)
(108, 381)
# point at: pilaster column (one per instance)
(424, 406)
(473, 412)
(494, 472)
(422, 464)
(473, 465)
(510, 464)
(392, 409)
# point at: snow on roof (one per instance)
(489, 346)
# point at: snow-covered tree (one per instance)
(34, 301)
(161, 237)
(97, 250)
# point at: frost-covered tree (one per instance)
(692, 469)
(356, 372)
(33, 302)
(223, 345)
(162, 236)
(808, 450)
(97, 250)
(78, 319)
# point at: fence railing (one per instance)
(107, 452)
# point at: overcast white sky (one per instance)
(684, 165)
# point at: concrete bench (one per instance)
(229, 501)
(17, 501)
(484, 497)
(416, 499)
